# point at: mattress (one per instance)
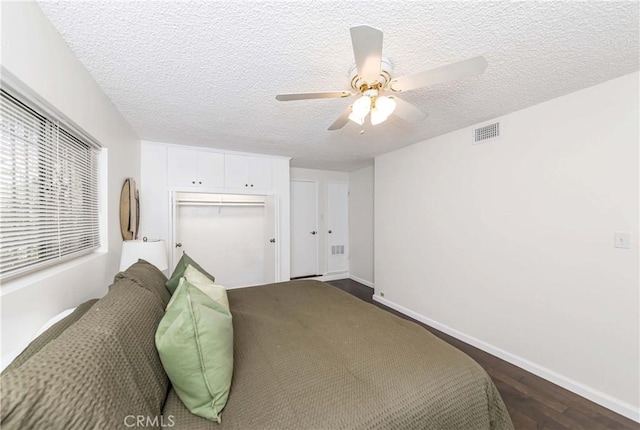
(310, 356)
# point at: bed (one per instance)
(310, 356)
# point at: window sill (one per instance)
(16, 284)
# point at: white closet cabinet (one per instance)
(194, 167)
(242, 171)
(166, 169)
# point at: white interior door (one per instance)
(271, 243)
(304, 228)
(337, 227)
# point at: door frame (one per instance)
(316, 200)
(276, 233)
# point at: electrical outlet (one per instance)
(622, 240)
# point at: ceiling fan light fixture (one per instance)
(382, 109)
(377, 117)
(357, 119)
(360, 110)
(372, 75)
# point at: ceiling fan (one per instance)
(371, 77)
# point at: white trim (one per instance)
(328, 277)
(362, 281)
(585, 391)
(323, 278)
(276, 233)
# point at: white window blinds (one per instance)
(48, 189)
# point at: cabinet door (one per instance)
(210, 169)
(260, 173)
(182, 166)
(236, 171)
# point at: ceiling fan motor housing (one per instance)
(360, 85)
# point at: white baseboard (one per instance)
(585, 391)
(330, 276)
(362, 281)
(327, 277)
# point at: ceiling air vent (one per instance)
(487, 132)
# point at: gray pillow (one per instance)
(147, 276)
(50, 334)
(101, 370)
(178, 272)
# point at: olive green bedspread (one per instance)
(309, 356)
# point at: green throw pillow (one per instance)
(195, 344)
(178, 272)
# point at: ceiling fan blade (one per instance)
(451, 72)
(367, 50)
(342, 120)
(407, 111)
(305, 96)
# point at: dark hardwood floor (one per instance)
(533, 402)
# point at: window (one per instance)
(48, 190)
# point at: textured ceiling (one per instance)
(206, 73)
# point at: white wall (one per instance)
(509, 244)
(361, 191)
(34, 52)
(321, 177)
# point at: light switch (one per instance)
(622, 240)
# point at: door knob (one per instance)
(313, 232)
(178, 245)
(272, 240)
(330, 232)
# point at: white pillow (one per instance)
(206, 285)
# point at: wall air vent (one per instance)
(487, 132)
(337, 250)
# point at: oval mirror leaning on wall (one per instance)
(129, 210)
